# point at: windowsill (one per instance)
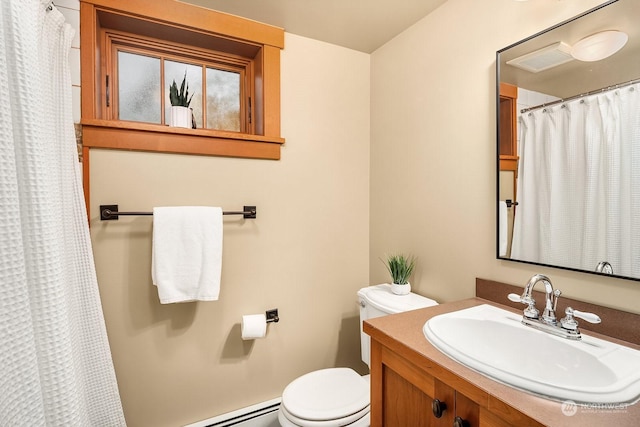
(125, 135)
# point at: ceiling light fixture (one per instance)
(599, 45)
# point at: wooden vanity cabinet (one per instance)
(405, 395)
(404, 386)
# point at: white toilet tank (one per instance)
(378, 300)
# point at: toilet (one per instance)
(338, 397)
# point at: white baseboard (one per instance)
(264, 414)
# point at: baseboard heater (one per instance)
(264, 414)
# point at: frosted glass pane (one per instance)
(223, 100)
(175, 71)
(138, 88)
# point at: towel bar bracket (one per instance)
(105, 212)
(249, 212)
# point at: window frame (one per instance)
(180, 23)
(119, 41)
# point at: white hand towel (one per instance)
(187, 253)
(503, 231)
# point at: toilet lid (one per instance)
(326, 394)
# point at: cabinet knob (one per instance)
(438, 408)
(459, 422)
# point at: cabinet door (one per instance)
(467, 410)
(406, 405)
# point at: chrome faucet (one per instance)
(548, 322)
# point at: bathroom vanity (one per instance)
(412, 383)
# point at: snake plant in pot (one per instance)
(400, 267)
(180, 101)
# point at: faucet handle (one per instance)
(568, 322)
(514, 297)
(531, 311)
(521, 298)
(589, 317)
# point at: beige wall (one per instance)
(432, 190)
(433, 150)
(306, 253)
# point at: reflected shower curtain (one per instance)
(579, 183)
(55, 363)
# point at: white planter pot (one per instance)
(180, 117)
(401, 289)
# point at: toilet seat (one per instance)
(361, 419)
(331, 397)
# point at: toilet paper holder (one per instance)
(272, 316)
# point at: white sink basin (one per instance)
(493, 342)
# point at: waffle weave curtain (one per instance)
(55, 363)
(579, 183)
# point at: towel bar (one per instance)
(110, 212)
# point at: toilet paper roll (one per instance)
(254, 326)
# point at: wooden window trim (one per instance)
(510, 162)
(125, 135)
(116, 41)
(199, 26)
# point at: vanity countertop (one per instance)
(403, 334)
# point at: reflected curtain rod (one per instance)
(571, 98)
(110, 212)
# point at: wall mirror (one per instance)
(568, 112)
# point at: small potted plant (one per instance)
(180, 101)
(400, 267)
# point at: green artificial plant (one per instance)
(180, 98)
(400, 267)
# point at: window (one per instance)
(132, 50)
(138, 83)
(141, 71)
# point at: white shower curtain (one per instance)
(579, 183)
(55, 363)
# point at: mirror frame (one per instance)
(498, 127)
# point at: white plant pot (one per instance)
(401, 289)
(180, 117)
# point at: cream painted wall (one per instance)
(433, 150)
(432, 187)
(306, 253)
